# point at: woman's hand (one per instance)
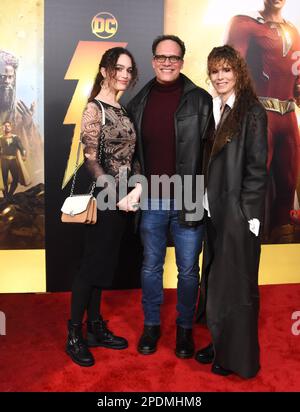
(130, 203)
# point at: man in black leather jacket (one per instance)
(171, 116)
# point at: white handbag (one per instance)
(82, 208)
(79, 209)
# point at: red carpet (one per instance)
(32, 354)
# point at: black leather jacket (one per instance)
(191, 122)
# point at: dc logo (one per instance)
(104, 25)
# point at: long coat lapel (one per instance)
(219, 140)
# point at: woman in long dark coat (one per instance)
(236, 175)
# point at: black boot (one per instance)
(76, 347)
(184, 343)
(99, 335)
(148, 340)
(205, 355)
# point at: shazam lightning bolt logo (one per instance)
(83, 67)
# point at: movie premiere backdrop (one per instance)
(49, 55)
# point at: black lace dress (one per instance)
(102, 240)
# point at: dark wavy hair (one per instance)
(172, 37)
(244, 89)
(109, 61)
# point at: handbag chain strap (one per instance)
(100, 152)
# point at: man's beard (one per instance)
(7, 98)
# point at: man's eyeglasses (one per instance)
(160, 58)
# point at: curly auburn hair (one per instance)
(109, 61)
(244, 89)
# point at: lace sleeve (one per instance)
(90, 134)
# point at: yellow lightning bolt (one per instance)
(83, 67)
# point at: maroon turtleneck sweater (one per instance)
(158, 129)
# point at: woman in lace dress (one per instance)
(117, 70)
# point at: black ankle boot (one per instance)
(99, 335)
(76, 347)
(205, 355)
(184, 343)
(148, 341)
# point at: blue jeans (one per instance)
(188, 245)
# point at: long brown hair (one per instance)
(245, 94)
(109, 61)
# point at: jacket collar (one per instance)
(188, 85)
